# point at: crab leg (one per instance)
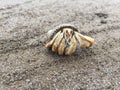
(72, 47)
(51, 42)
(84, 41)
(57, 42)
(61, 47)
(88, 39)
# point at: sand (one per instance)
(25, 63)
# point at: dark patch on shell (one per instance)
(62, 26)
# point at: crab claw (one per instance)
(49, 44)
(84, 41)
(56, 42)
(72, 47)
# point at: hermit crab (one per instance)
(65, 38)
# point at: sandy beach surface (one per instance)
(25, 63)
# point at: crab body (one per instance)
(64, 39)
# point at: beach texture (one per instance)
(25, 63)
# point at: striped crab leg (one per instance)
(57, 42)
(61, 47)
(84, 41)
(49, 44)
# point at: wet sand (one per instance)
(25, 64)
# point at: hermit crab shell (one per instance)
(64, 39)
(52, 32)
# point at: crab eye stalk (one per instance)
(67, 34)
(71, 32)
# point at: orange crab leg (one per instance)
(57, 42)
(61, 47)
(49, 44)
(84, 41)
